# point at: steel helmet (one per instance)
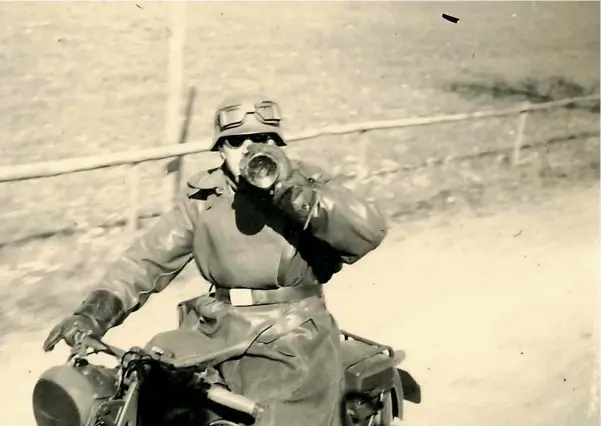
(245, 115)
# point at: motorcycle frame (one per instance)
(128, 415)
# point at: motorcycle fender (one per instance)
(412, 391)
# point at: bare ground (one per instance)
(497, 315)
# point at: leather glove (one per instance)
(99, 312)
(68, 329)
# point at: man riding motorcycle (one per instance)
(267, 251)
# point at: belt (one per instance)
(251, 297)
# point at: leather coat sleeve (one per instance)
(154, 259)
(334, 214)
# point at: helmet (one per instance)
(245, 115)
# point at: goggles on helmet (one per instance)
(233, 116)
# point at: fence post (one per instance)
(133, 180)
(519, 139)
(175, 94)
(363, 156)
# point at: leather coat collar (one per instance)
(217, 180)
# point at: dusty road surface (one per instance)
(499, 328)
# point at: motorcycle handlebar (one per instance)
(215, 393)
(97, 344)
(222, 396)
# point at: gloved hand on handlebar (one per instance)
(68, 329)
(99, 312)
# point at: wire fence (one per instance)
(133, 158)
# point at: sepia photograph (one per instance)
(299, 213)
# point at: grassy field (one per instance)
(91, 78)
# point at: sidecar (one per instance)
(375, 389)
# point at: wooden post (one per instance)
(363, 156)
(175, 89)
(133, 180)
(519, 140)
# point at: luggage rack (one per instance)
(376, 348)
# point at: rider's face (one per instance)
(234, 148)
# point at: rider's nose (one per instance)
(245, 145)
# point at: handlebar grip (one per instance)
(98, 345)
(222, 396)
(91, 342)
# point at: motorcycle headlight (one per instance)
(54, 406)
(66, 395)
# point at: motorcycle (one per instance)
(149, 388)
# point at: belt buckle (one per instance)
(241, 297)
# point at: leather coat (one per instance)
(291, 363)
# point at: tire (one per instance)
(385, 416)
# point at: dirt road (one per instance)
(499, 328)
